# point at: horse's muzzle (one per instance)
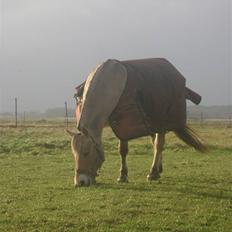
(84, 180)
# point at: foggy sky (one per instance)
(49, 46)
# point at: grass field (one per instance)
(37, 193)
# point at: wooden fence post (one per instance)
(24, 117)
(66, 114)
(16, 112)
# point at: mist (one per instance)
(48, 47)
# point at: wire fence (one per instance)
(27, 119)
(64, 117)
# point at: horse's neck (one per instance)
(93, 128)
(97, 136)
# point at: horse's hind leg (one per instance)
(123, 150)
(156, 168)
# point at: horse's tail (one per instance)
(190, 137)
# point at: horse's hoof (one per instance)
(152, 177)
(122, 179)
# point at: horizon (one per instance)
(12, 112)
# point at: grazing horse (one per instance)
(135, 98)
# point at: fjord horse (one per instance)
(128, 119)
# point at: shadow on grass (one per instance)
(192, 188)
(197, 188)
(167, 188)
(220, 195)
(146, 187)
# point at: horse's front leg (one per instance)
(156, 168)
(123, 150)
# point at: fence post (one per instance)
(229, 122)
(16, 112)
(66, 114)
(24, 117)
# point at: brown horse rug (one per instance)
(137, 98)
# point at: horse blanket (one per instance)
(137, 98)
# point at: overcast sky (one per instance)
(49, 46)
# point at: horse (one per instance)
(135, 98)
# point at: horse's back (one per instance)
(150, 98)
(153, 99)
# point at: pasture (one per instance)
(37, 193)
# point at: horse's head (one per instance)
(87, 157)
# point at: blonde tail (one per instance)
(191, 138)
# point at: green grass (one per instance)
(37, 193)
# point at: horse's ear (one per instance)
(70, 132)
